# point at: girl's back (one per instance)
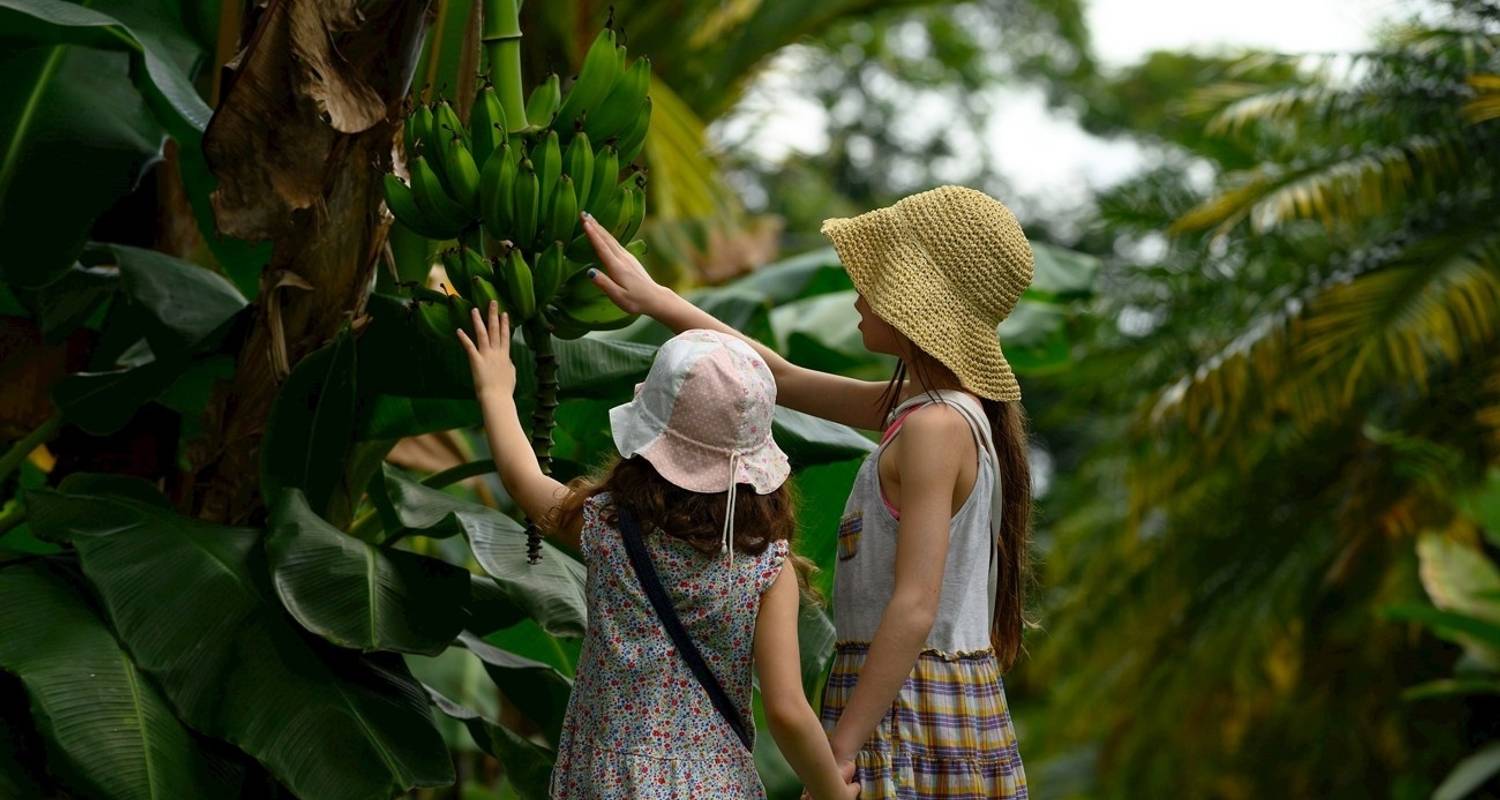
(638, 724)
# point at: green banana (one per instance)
(433, 201)
(456, 268)
(421, 131)
(445, 125)
(606, 175)
(628, 203)
(578, 161)
(482, 293)
(486, 124)
(581, 250)
(600, 68)
(497, 191)
(631, 222)
(545, 99)
(436, 321)
(634, 139)
(409, 134)
(401, 202)
(547, 158)
(527, 204)
(476, 264)
(582, 303)
(609, 213)
(520, 295)
(563, 217)
(549, 273)
(562, 327)
(622, 105)
(463, 174)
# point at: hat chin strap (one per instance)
(726, 543)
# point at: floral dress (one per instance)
(638, 724)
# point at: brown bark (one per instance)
(299, 143)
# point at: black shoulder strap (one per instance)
(645, 572)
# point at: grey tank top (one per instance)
(865, 575)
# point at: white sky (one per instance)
(1048, 160)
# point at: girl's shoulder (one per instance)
(596, 528)
(769, 562)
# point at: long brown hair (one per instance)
(694, 517)
(1008, 431)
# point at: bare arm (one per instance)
(929, 465)
(495, 384)
(834, 397)
(792, 722)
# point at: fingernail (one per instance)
(587, 215)
(593, 272)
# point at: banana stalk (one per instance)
(502, 48)
(543, 417)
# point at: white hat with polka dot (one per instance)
(703, 417)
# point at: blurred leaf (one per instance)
(70, 300)
(1470, 774)
(391, 417)
(551, 592)
(807, 275)
(815, 638)
(102, 402)
(1452, 687)
(192, 602)
(357, 595)
(312, 425)
(168, 88)
(809, 441)
(528, 766)
(184, 305)
(77, 137)
(115, 734)
(1458, 578)
(124, 487)
(1061, 274)
(536, 689)
(1483, 505)
(1449, 625)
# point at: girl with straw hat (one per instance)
(932, 544)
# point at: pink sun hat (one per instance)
(703, 416)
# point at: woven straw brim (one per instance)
(905, 288)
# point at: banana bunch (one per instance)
(510, 190)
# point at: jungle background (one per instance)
(251, 545)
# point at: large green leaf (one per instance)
(113, 734)
(76, 136)
(164, 81)
(528, 766)
(312, 426)
(102, 402)
(184, 306)
(194, 606)
(357, 595)
(807, 275)
(1061, 274)
(536, 689)
(551, 592)
(809, 441)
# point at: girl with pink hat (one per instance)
(932, 544)
(685, 538)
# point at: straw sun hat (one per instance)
(943, 267)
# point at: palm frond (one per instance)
(1486, 103)
(1391, 326)
(1339, 191)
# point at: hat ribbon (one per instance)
(726, 543)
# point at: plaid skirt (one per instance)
(948, 733)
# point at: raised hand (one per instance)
(623, 279)
(489, 354)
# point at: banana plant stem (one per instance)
(543, 419)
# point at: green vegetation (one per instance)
(250, 542)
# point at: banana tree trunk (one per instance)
(298, 144)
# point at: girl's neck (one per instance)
(913, 387)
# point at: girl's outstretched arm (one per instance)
(928, 459)
(626, 282)
(495, 384)
(793, 724)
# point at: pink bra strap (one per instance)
(890, 432)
